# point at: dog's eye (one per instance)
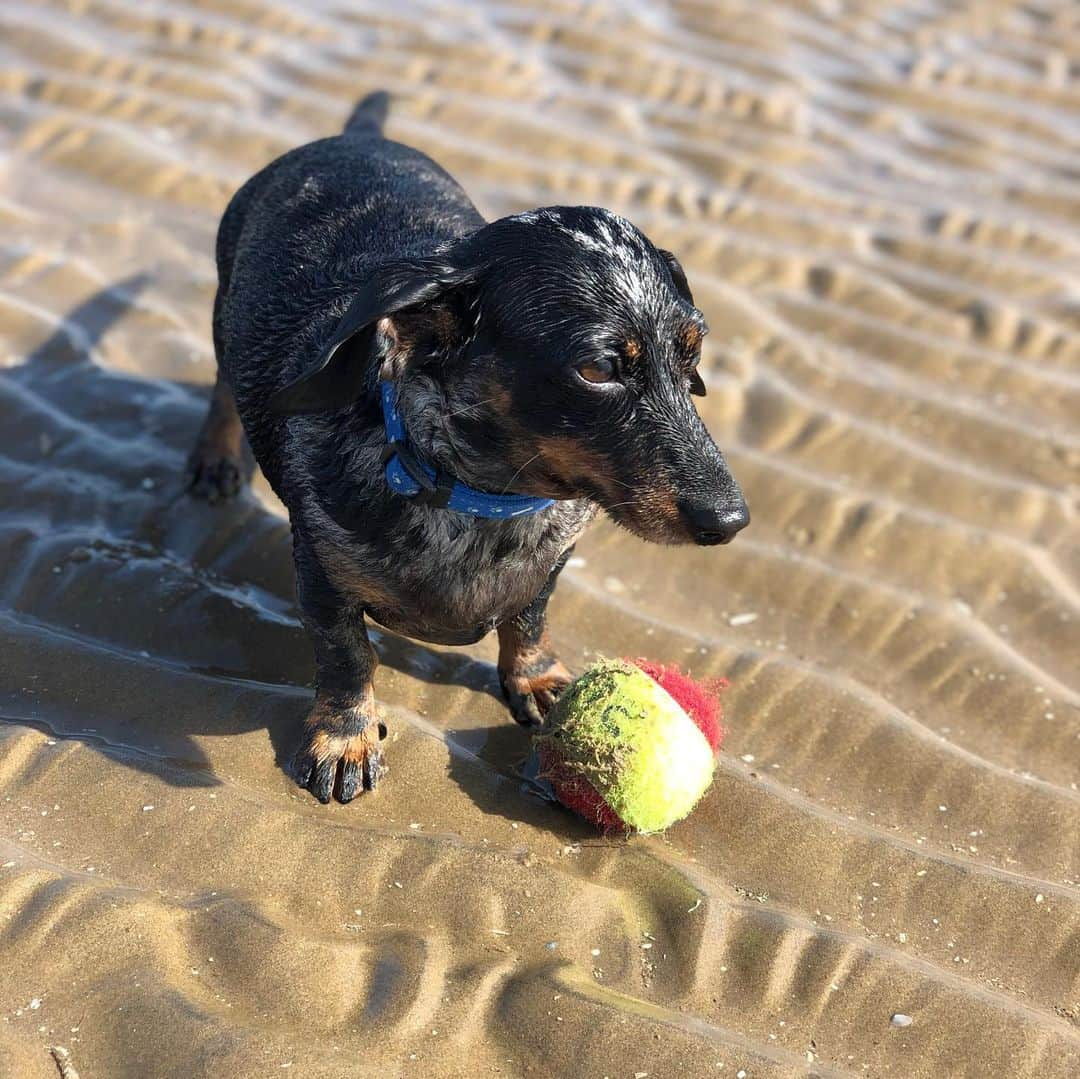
(599, 370)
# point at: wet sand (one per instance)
(877, 207)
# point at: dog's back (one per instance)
(299, 234)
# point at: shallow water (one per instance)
(876, 206)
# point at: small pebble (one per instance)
(742, 619)
(901, 1020)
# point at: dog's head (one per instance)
(563, 349)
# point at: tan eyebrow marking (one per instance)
(690, 336)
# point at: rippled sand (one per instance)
(877, 207)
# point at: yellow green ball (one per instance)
(617, 729)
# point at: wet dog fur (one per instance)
(551, 353)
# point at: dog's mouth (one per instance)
(651, 508)
(657, 516)
(651, 515)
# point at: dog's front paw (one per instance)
(531, 689)
(330, 762)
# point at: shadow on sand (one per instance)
(138, 617)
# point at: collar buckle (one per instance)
(433, 492)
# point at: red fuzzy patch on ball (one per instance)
(699, 700)
(579, 795)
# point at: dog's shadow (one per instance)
(114, 567)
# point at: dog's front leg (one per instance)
(339, 752)
(530, 674)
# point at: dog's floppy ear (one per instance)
(678, 275)
(336, 376)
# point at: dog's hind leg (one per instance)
(217, 468)
(220, 464)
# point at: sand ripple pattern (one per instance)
(876, 204)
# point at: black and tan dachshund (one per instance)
(444, 404)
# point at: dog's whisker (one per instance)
(628, 502)
(468, 408)
(519, 471)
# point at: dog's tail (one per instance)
(369, 116)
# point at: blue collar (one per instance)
(410, 477)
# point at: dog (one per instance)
(444, 404)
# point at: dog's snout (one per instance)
(715, 523)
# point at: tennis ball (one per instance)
(620, 751)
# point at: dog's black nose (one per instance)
(717, 523)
